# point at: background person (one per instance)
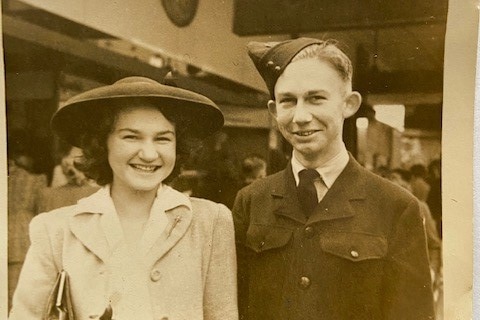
(136, 246)
(419, 186)
(23, 192)
(76, 187)
(253, 167)
(325, 238)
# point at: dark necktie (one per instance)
(307, 193)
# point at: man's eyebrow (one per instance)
(311, 92)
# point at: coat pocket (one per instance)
(355, 246)
(266, 237)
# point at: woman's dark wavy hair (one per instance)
(94, 141)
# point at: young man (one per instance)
(335, 241)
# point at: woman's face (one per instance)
(141, 148)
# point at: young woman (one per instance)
(137, 246)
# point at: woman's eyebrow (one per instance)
(138, 131)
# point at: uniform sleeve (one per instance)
(220, 300)
(37, 276)
(407, 287)
(241, 222)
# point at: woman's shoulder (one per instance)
(55, 218)
(207, 209)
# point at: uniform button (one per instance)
(270, 63)
(304, 282)
(262, 244)
(309, 232)
(354, 254)
(155, 275)
(326, 209)
(277, 68)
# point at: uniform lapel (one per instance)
(284, 196)
(350, 186)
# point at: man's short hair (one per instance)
(329, 52)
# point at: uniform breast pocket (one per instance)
(262, 238)
(355, 246)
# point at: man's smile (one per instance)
(304, 133)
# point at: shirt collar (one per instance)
(329, 171)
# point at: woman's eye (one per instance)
(130, 137)
(163, 139)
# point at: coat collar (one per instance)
(336, 204)
(95, 223)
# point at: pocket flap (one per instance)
(355, 246)
(262, 237)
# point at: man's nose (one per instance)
(148, 151)
(301, 113)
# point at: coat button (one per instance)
(354, 254)
(304, 282)
(155, 275)
(309, 232)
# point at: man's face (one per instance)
(311, 103)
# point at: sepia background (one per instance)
(414, 64)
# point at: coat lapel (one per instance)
(179, 220)
(88, 230)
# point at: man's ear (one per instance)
(352, 103)
(272, 108)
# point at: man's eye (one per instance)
(317, 99)
(287, 100)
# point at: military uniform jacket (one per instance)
(361, 255)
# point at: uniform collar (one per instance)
(329, 171)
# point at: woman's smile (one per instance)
(144, 168)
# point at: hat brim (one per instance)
(199, 115)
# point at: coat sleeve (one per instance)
(220, 299)
(407, 287)
(37, 276)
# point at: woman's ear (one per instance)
(352, 103)
(272, 108)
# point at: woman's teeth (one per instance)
(144, 168)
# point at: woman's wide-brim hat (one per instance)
(200, 115)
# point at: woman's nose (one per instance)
(301, 113)
(148, 151)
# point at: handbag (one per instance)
(59, 304)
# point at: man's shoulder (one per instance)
(381, 187)
(265, 184)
